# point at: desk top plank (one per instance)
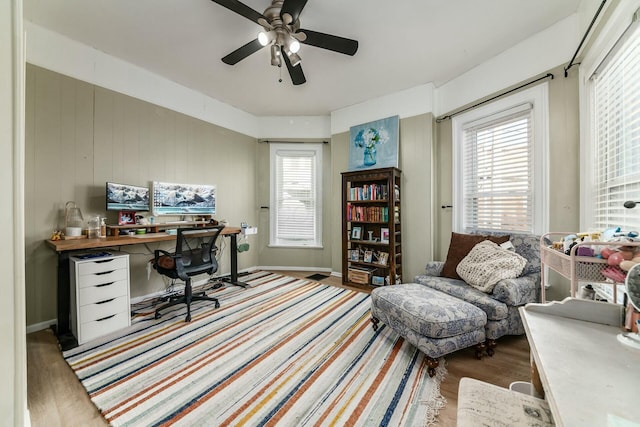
(113, 241)
(588, 376)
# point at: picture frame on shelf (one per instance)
(368, 256)
(126, 218)
(377, 280)
(356, 233)
(383, 258)
(354, 255)
(384, 235)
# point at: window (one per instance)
(615, 137)
(500, 165)
(296, 208)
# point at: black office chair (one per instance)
(195, 254)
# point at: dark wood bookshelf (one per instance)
(371, 204)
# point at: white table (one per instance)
(589, 378)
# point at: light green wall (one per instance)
(78, 136)
(415, 161)
(564, 168)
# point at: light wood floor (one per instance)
(56, 397)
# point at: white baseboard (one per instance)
(42, 325)
(179, 286)
(288, 268)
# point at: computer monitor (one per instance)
(183, 199)
(127, 198)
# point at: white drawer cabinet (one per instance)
(99, 295)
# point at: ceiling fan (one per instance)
(283, 33)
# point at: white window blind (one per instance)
(497, 169)
(295, 195)
(616, 137)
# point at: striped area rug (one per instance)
(284, 351)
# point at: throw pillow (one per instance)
(487, 264)
(460, 246)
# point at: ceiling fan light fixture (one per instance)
(275, 55)
(294, 45)
(264, 38)
(294, 58)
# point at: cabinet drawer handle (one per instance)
(104, 272)
(105, 284)
(105, 301)
(104, 260)
(105, 318)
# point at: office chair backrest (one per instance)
(195, 249)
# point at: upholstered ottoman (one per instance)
(433, 321)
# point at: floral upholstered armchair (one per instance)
(502, 303)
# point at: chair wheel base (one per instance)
(158, 315)
(217, 305)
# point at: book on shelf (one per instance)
(369, 192)
(367, 213)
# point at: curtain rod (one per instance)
(269, 141)
(571, 64)
(449, 116)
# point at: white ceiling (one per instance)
(402, 44)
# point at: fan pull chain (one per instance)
(280, 71)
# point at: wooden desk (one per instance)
(589, 378)
(65, 247)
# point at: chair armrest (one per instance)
(159, 252)
(163, 260)
(519, 291)
(434, 268)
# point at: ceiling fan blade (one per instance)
(239, 54)
(297, 76)
(330, 42)
(293, 8)
(240, 9)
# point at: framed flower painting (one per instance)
(374, 145)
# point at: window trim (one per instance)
(317, 150)
(538, 97)
(605, 41)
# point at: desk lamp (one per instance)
(73, 220)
